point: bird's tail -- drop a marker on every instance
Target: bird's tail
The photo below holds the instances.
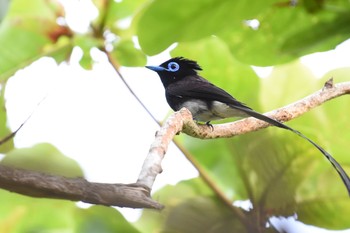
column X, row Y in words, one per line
column 271, row 121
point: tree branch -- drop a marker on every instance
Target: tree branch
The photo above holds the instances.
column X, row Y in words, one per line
column 287, row 113
column 183, row 120
column 36, row 184
column 137, row 195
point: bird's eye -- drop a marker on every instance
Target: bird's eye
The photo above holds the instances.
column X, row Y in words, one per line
column 173, row 66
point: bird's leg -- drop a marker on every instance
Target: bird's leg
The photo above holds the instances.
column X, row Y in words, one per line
column 206, row 123
column 210, row 125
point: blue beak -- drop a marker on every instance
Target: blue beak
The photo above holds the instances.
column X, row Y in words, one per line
column 156, row 68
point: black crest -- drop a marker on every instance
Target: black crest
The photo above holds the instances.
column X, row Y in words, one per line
column 186, row 65
column 190, row 64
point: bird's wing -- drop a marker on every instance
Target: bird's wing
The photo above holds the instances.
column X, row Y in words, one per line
column 199, row 88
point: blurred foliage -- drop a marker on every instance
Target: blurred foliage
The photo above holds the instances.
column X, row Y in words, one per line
column 279, row 173
column 25, row 214
column 3, row 8
column 285, row 30
column 45, row 158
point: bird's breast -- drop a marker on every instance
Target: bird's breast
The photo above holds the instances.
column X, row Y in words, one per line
column 210, row 110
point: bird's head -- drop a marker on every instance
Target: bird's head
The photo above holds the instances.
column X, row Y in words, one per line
column 175, row 69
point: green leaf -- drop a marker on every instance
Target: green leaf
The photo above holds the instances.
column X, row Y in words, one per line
column 103, row 220
column 19, row 48
column 162, row 24
column 86, row 43
column 23, row 39
column 321, row 194
column 279, row 89
column 202, row 214
column 286, row 33
column 152, row 221
column 19, row 214
column 119, row 10
column 192, row 207
column 127, row 55
column 331, row 213
column 335, row 120
column 323, row 36
column 190, row 210
column 44, row 158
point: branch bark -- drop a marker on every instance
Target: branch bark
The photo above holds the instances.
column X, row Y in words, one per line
column 36, row 184
column 137, row 195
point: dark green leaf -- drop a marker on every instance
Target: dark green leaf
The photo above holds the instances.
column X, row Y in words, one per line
column 171, row 196
column 202, row 214
column 162, row 24
column 44, row 158
column 323, row 36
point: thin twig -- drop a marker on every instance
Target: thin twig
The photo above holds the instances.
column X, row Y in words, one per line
column 115, row 66
column 13, row 134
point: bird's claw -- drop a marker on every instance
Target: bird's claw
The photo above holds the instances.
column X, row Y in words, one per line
column 210, row 125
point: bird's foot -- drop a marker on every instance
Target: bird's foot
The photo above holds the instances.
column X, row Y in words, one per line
column 210, row 125
column 206, row 123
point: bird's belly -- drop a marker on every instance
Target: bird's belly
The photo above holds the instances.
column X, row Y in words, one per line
column 209, row 111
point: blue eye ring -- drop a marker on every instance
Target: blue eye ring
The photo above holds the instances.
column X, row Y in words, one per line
column 173, row 67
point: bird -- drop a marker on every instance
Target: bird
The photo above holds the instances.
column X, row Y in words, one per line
column 184, row 87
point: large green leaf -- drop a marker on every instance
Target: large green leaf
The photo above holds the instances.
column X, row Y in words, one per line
column 29, row 32
column 152, row 221
column 127, row 55
column 44, row 158
column 286, row 84
column 21, row 214
column 202, row 214
column 284, row 32
column 166, row 22
column 192, row 209
column 25, row 214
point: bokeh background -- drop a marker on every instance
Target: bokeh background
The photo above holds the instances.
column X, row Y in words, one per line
column 65, row 54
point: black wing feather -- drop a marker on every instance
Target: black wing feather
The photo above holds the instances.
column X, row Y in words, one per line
column 197, row 87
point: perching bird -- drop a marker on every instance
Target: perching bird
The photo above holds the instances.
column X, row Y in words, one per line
column 207, row 102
